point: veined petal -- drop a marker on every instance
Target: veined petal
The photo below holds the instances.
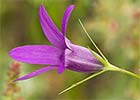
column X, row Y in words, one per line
column 50, row 30
column 37, row 54
column 80, row 59
column 66, row 18
column 35, row 73
column 62, row 67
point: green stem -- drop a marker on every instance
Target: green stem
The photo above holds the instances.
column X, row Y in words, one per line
column 114, row 68
column 82, row 81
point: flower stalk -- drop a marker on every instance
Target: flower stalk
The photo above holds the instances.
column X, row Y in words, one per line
column 111, row 67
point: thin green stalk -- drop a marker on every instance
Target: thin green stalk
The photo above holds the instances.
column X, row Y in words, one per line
column 92, row 40
column 114, row 68
column 82, row 81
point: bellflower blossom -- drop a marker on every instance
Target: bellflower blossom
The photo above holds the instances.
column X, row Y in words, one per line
column 61, row 55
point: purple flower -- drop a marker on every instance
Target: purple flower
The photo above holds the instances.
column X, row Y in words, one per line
column 62, row 55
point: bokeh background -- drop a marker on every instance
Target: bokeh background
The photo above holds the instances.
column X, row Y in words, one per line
column 113, row 24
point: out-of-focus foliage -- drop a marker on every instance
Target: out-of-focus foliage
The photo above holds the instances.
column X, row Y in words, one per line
column 113, row 24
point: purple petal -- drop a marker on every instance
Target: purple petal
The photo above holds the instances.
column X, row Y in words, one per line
column 66, row 18
column 68, row 42
column 37, row 54
column 62, row 67
column 50, row 30
column 80, row 59
column 35, row 73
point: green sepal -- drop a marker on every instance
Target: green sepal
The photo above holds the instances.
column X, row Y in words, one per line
column 94, row 44
column 98, row 57
column 82, row 81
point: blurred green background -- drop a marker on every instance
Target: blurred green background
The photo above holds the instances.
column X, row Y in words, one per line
column 114, row 26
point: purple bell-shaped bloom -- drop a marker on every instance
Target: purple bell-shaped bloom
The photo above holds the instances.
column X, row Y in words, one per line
column 61, row 55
